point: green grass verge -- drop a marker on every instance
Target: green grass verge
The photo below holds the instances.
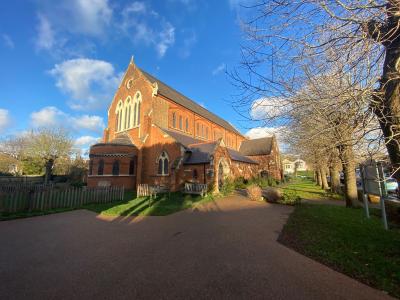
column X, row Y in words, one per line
column 307, row 189
column 345, row 240
column 163, row 204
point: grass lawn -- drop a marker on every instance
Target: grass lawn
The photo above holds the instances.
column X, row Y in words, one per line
column 307, row 189
column 345, row 240
column 164, row 204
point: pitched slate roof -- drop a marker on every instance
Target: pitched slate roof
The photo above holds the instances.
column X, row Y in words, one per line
column 260, row 146
column 183, row 139
column 120, row 140
column 237, row 156
column 170, row 93
column 200, row 153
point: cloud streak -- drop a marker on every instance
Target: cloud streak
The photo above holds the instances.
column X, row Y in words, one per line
column 219, row 69
column 143, row 25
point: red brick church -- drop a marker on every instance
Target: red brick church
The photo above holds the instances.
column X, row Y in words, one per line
column 158, row 136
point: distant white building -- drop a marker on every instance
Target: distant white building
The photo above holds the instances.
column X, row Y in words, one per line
column 290, row 166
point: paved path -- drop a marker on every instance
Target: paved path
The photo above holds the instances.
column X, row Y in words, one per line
column 224, row 250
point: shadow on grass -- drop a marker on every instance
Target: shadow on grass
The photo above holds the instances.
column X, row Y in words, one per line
column 135, row 209
column 162, row 205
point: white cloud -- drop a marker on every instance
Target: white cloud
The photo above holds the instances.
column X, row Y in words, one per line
column 220, row 68
column 166, row 38
column 89, row 82
column 51, row 116
column 86, row 141
column 92, row 123
column 270, row 108
column 65, row 26
column 260, row 132
column 86, row 17
column 46, row 38
column 7, row 41
column 136, row 7
column 5, row 119
column 145, row 26
column 71, row 28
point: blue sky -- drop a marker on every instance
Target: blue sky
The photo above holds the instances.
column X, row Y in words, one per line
column 61, row 61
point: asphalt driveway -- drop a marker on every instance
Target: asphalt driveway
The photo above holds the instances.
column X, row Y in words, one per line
column 226, row 250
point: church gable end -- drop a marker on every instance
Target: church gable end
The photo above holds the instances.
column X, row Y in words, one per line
column 130, row 105
column 157, row 136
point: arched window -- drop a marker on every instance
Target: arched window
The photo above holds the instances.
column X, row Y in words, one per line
column 163, row 163
column 118, row 117
column 206, row 132
column 128, row 118
column 120, row 120
column 202, row 130
column 134, row 114
column 174, row 120
column 195, row 175
column 187, row 125
column 132, row 167
column 115, row 168
column 180, row 123
column 138, row 114
column 100, row 168
column 90, row 167
column 198, row 128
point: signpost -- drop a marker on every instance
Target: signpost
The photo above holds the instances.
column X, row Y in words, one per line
column 373, row 182
column 364, row 193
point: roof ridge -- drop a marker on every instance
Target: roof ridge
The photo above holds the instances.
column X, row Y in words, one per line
column 203, row 143
column 193, row 102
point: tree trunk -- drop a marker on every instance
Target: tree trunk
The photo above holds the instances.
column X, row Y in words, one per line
column 347, row 158
column 319, row 178
column 335, row 178
column 48, row 170
column 387, row 101
column 324, row 181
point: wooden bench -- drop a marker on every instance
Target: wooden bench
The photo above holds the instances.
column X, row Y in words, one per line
column 195, row 189
column 151, row 191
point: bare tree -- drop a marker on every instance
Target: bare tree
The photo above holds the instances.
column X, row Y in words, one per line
column 283, row 36
column 330, row 116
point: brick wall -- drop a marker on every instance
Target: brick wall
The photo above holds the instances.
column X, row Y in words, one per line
column 150, row 141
